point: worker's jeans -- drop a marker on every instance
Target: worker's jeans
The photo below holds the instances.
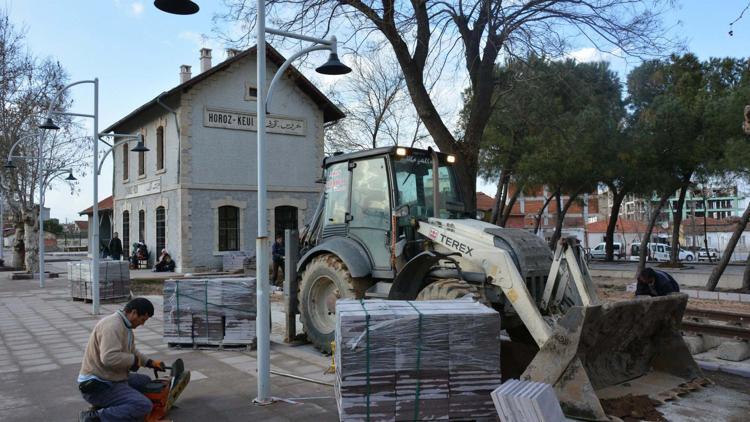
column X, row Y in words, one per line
column 123, row 401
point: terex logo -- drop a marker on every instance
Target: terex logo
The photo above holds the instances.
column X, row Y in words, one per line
column 455, row 244
column 433, row 234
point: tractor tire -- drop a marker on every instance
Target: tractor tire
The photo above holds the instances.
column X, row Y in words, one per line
column 449, row 289
column 324, row 280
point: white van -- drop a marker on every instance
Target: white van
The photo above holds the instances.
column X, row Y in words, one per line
column 600, row 251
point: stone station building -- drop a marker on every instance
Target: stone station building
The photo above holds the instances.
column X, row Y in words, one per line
column 195, row 192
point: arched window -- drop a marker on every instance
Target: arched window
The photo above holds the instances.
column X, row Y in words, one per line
column 160, row 148
column 126, row 233
column 142, row 226
column 229, row 228
column 125, row 162
column 161, row 230
column 142, row 161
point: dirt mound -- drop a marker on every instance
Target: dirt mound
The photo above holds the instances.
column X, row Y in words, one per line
column 632, row 408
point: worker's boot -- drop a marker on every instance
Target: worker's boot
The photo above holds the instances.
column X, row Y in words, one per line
column 89, row 415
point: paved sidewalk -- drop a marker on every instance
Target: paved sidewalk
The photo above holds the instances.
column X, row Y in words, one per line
column 43, row 334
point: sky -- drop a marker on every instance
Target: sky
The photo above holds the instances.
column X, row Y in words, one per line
column 135, row 50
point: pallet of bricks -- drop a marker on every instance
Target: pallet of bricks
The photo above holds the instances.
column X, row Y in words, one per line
column 210, row 312
column 421, row 360
column 114, row 280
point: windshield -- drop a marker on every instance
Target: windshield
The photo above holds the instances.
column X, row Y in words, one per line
column 414, row 180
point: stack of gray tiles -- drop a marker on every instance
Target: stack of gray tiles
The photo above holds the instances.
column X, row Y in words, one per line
column 392, row 364
column 114, row 279
column 527, row 401
column 234, row 261
column 219, row 311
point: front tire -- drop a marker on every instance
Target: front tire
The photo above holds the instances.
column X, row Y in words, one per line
column 325, row 280
column 449, row 289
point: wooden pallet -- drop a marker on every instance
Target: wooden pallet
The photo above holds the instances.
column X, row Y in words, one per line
column 101, row 300
column 202, row 344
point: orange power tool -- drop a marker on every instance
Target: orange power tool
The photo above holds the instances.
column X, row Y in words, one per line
column 164, row 391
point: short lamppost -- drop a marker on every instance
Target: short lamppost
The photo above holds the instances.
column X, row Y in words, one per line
column 43, row 173
column 332, row 67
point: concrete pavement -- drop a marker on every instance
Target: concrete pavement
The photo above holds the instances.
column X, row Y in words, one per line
column 692, row 274
column 43, row 334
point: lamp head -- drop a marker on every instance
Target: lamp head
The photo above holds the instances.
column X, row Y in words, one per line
column 177, row 7
column 333, row 66
column 49, row 124
column 140, row 147
column 71, row 177
column 9, row 164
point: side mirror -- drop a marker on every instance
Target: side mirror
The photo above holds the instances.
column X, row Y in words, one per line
column 401, row 211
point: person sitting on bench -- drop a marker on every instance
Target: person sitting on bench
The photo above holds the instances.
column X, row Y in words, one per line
column 166, row 263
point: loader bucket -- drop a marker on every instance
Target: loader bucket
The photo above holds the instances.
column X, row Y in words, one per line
column 610, row 350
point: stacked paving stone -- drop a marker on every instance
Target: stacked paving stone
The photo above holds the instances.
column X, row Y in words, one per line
column 527, row 401
column 422, row 360
column 114, row 280
column 219, row 311
column 234, row 261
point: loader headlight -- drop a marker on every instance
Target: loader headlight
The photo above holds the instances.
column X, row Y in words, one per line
column 401, row 152
column 451, row 159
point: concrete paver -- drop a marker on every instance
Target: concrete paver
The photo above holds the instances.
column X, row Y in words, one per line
column 43, row 334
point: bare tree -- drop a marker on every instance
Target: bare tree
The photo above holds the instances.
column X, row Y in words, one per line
column 466, row 37
column 26, row 86
column 376, row 103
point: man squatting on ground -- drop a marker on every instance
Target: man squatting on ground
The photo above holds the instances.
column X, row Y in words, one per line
column 104, row 380
column 653, row 282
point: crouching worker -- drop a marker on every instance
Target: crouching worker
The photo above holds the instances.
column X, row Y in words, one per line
column 105, row 379
column 653, row 282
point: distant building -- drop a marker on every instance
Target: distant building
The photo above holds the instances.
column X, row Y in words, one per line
column 194, row 192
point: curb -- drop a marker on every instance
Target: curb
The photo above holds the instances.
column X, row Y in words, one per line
column 714, row 366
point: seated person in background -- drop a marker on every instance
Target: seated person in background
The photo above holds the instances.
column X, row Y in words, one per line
column 653, row 282
column 140, row 253
column 166, row 263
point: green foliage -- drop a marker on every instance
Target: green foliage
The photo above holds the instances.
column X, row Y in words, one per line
column 53, row 226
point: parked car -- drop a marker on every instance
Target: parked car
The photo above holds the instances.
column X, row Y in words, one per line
column 686, row 255
column 600, row 251
column 704, row 254
column 660, row 252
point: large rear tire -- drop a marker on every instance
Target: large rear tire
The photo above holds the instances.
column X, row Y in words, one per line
column 449, row 289
column 325, row 280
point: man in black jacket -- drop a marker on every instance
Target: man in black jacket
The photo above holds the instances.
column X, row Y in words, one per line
column 278, row 254
column 653, row 282
column 115, row 247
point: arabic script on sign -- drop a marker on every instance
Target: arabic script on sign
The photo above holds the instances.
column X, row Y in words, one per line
column 228, row 119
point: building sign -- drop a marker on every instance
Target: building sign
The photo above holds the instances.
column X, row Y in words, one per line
column 228, row 119
column 143, row 188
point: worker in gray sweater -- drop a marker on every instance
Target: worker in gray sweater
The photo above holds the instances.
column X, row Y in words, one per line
column 107, row 379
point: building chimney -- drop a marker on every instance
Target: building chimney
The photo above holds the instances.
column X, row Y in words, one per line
column 231, row 52
column 205, row 59
column 185, row 73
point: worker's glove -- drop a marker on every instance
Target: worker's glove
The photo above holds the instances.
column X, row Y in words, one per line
column 156, row 364
column 136, row 364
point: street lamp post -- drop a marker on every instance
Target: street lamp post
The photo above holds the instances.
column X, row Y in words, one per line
column 332, row 67
column 50, row 125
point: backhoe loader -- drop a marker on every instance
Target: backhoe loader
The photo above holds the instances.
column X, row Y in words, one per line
column 391, row 224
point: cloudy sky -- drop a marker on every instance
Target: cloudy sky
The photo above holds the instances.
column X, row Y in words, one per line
column 135, row 50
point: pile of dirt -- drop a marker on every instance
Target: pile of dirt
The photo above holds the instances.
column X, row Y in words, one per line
column 632, row 408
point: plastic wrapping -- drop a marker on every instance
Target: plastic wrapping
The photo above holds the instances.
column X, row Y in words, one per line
column 421, row 360
column 219, row 311
column 234, row 261
column 114, row 280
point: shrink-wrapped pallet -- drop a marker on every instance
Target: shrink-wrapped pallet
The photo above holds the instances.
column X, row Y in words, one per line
column 234, row 261
column 207, row 312
column 114, row 279
column 422, row 360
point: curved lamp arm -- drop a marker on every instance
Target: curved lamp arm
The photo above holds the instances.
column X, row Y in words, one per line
column 23, row 138
column 60, row 92
column 125, row 138
column 288, row 62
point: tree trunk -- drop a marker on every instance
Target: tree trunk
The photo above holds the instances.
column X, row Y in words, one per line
column 496, row 204
column 674, row 257
column 467, row 176
column 509, row 207
column 31, row 239
column 705, row 229
column 541, row 212
column 746, row 275
column 613, row 216
column 19, row 248
column 713, row 280
column 561, row 217
column 649, row 230
column 503, row 198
